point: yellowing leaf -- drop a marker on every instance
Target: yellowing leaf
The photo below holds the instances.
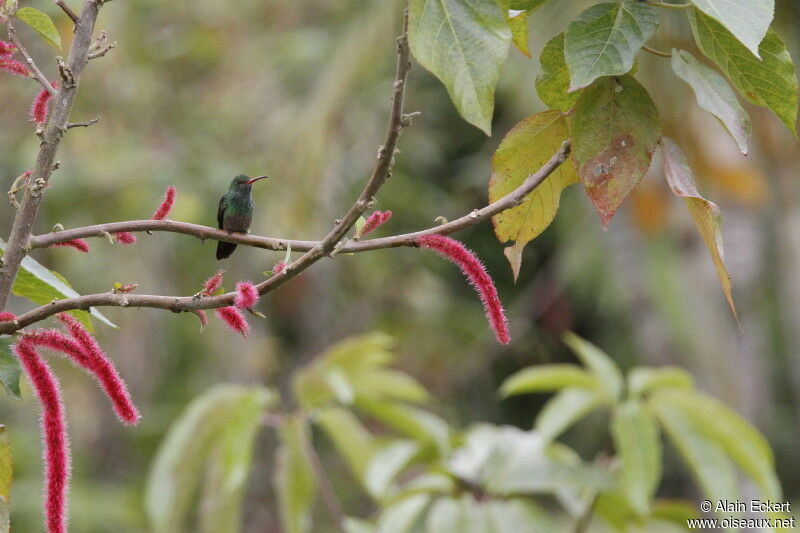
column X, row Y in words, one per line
column 528, row 146
column 519, row 32
column 6, row 465
column 41, row 24
column 614, row 133
column 706, row 214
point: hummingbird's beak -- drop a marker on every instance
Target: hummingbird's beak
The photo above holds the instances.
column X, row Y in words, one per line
column 250, row 182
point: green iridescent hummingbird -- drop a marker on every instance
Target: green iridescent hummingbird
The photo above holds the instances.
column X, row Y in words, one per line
column 235, row 211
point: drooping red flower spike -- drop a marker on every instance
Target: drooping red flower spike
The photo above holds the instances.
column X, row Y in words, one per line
column 7, row 49
column 6, row 316
column 54, row 434
column 201, row 314
column 476, row 273
column 13, row 66
column 212, row 284
column 234, row 319
column 125, row 237
column 246, row 295
column 166, row 204
column 103, row 370
column 41, row 104
column 79, row 244
column 375, row 219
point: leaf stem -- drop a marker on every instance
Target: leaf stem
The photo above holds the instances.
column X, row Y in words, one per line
column 656, row 52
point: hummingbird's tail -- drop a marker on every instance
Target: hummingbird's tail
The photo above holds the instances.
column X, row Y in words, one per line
column 225, row 249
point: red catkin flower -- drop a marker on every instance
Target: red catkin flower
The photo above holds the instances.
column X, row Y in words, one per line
column 279, row 268
column 234, row 319
column 41, row 104
column 201, row 314
column 103, row 370
column 125, row 237
column 246, row 295
column 14, row 67
column 212, row 284
column 476, row 273
column 7, row 49
column 54, row 434
column 166, row 204
column 6, row 316
column 79, row 244
column 375, row 219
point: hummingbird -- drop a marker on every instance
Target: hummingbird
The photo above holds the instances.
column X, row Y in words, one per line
column 235, row 211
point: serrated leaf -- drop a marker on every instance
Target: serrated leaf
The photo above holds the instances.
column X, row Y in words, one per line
column 706, row 214
column 598, row 362
column 714, row 95
column 605, row 39
column 643, row 380
column 638, row 445
column 217, row 426
column 716, row 422
column 552, row 83
column 519, row 31
column 41, row 24
column 6, row 465
column 296, row 482
column 547, row 378
column 747, row 20
column 614, row 133
column 41, row 286
column 464, row 44
column 528, row 146
column 10, row 371
column 565, row 409
column 771, row 82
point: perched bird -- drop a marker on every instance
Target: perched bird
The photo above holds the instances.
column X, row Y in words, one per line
column 235, row 211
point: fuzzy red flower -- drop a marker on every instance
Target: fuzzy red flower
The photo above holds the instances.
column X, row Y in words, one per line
column 103, row 370
column 234, row 319
column 166, row 204
column 246, row 295
column 212, row 284
column 476, row 273
column 125, row 237
column 41, row 104
column 6, row 316
column 79, row 244
column 14, row 67
column 279, row 268
column 54, row 434
column 201, row 314
column 375, row 219
column 7, row 49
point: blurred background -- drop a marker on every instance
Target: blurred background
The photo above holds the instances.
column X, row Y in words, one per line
column 198, row 92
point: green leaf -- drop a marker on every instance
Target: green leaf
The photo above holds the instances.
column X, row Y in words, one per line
column 463, row 43
column 547, row 378
column 420, row 425
column 552, row 83
column 740, row 440
column 519, row 31
column 565, row 409
column 771, row 82
column 350, row 438
column 706, row 214
column 525, row 5
column 386, row 464
column 638, row 445
column 747, row 20
column 605, row 39
column 714, row 95
column 216, row 430
column 528, row 146
column 405, row 516
column 643, row 380
column 614, row 133
column 677, row 511
column 599, row 363
column 42, row 286
column 41, row 24
column 707, row 459
column 297, row 484
column 10, row 371
column 6, row 465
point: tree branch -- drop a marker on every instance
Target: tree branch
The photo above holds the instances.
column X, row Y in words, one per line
column 37, row 74
column 16, row 247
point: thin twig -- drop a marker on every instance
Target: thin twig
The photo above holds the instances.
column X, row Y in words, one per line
column 37, row 74
column 86, row 124
column 68, row 10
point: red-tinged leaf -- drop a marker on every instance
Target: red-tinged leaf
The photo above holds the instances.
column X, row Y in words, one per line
column 614, row 133
column 706, row 214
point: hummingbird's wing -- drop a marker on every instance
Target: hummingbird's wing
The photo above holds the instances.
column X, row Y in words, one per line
column 221, row 211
